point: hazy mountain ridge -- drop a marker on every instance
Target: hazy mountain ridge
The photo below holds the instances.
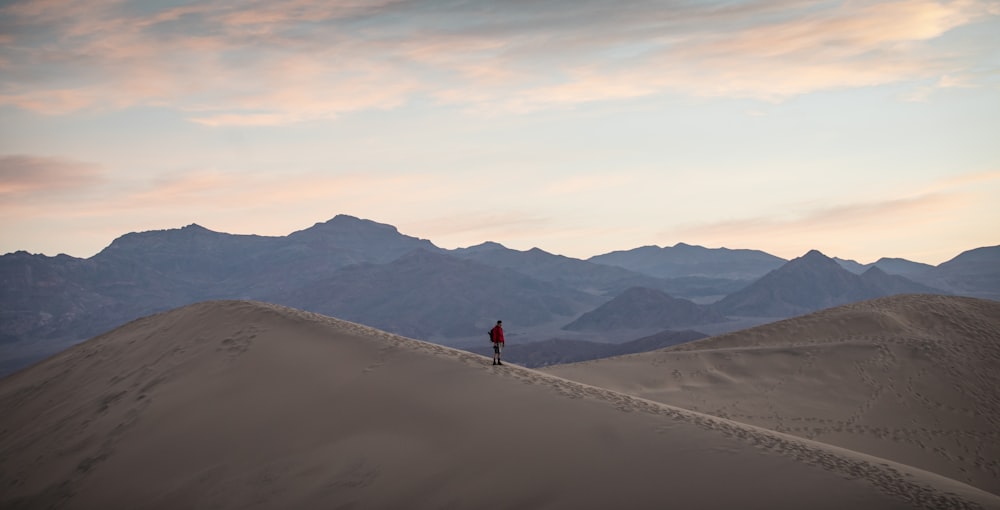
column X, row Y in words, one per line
column 593, row 277
column 903, row 267
column 640, row 307
column 433, row 295
column 192, row 252
column 67, row 298
column 690, row 260
column 537, row 263
column 974, row 272
column 370, row 272
column 813, row 282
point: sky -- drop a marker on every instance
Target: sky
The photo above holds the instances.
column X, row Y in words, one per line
column 861, row 129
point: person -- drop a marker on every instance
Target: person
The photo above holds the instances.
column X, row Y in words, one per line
column 496, row 336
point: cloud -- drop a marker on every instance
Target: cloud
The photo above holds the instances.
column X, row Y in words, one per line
column 820, row 49
column 938, row 209
column 967, row 181
column 54, row 101
column 207, row 192
column 302, row 91
column 947, row 81
column 849, row 216
column 219, row 62
column 279, row 62
column 247, row 119
column 24, row 175
column 847, row 30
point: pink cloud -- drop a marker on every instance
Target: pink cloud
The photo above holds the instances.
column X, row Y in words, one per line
column 862, row 227
column 963, row 206
column 846, row 46
column 51, row 102
column 275, row 13
column 299, row 89
column 247, row 119
column 846, row 31
column 24, row 175
column 211, row 190
column 274, row 63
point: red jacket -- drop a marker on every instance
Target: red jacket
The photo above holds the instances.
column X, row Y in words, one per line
column 497, row 334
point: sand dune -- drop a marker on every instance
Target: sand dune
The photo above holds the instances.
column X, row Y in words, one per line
column 914, row 379
column 245, row 405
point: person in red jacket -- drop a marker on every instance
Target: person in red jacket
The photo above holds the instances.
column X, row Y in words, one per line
column 496, row 336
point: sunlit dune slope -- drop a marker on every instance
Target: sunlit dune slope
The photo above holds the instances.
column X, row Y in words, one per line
column 912, row 378
column 244, row 405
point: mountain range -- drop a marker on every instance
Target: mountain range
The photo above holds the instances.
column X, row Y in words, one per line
column 813, row 282
column 369, row 272
column 639, row 308
column 687, row 260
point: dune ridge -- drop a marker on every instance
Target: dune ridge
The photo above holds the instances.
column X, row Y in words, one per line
column 912, row 378
column 247, row 405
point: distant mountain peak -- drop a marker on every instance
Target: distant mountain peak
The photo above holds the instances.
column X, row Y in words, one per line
column 874, row 270
column 812, row 282
column 816, row 258
column 150, row 238
column 486, row 247
column 691, row 249
column 985, row 254
column 646, row 248
column 691, row 260
column 346, row 220
column 890, row 259
column 641, row 307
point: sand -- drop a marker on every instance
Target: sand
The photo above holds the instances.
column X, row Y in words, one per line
column 914, row 379
column 245, row 405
